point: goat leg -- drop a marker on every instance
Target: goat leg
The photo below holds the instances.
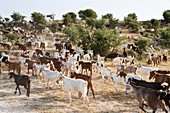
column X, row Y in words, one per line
column 28, row 93
column 15, row 90
column 19, row 90
column 92, row 91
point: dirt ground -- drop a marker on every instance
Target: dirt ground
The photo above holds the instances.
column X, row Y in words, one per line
column 109, row 99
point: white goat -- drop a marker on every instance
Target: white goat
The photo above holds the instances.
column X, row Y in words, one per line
column 145, row 71
column 80, row 51
column 100, row 59
column 66, row 67
column 126, row 77
column 78, row 85
column 37, row 68
column 117, row 61
column 50, row 75
column 86, row 57
column 117, row 79
column 129, row 59
column 56, row 55
column 104, row 71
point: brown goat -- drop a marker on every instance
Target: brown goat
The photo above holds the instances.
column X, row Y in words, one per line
column 156, row 60
column 86, row 65
column 160, row 77
column 30, row 65
column 21, row 46
column 164, row 59
column 42, row 45
column 5, row 46
column 15, row 66
column 86, row 78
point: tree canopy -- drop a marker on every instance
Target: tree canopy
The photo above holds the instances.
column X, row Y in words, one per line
column 87, row 13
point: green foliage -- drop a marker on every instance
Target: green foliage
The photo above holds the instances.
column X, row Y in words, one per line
column 91, row 22
column 166, row 16
column 73, row 33
column 131, row 22
column 165, row 38
column 155, row 23
column 87, row 13
column 54, row 26
column 100, row 24
column 17, row 19
column 16, row 16
column 105, row 40
column 110, row 21
column 69, row 18
column 142, row 43
column 132, row 16
column 100, row 40
column 38, row 18
column 107, row 16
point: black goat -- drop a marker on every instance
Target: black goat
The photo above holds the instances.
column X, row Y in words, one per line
column 22, row 80
column 152, row 85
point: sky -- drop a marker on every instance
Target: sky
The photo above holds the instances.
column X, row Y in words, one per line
column 144, row 9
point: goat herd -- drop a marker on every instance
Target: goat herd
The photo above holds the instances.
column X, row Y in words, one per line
column 74, row 69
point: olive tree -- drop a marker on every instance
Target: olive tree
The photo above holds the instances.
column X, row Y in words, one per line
column 38, row 20
column 131, row 22
column 87, row 13
column 166, row 16
column 69, row 18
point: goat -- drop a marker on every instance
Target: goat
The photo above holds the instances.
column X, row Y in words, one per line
column 77, row 85
column 3, row 58
column 117, row 79
column 59, row 46
column 150, row 96
column 145, row 71
column 86, row 65
column 21, row 46
column 117, row 61
column 129, row 69
column 30, row 65
column 127, row 77
column 6, row 45
column 152, row 85
column 22, row 80
column 86, row 78
column 49, row 75
column 37, row 67
column 160, row 77
column 104, row 71
column 100, row 59
column 43, row 45
column 15, row 66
